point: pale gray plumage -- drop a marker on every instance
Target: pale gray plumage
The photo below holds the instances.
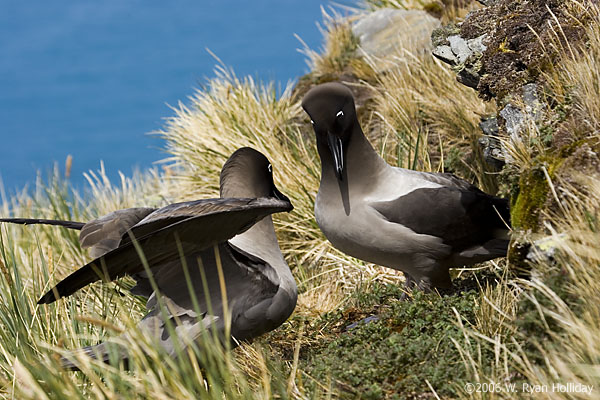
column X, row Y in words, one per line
column 104, row 234
column 261, row 291
column 419, row 223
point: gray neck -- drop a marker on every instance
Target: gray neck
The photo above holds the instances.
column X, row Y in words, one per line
column 363, row 167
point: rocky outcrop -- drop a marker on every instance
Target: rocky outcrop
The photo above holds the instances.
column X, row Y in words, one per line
column 502, row 52
column 520, row 112
column 463, row 55
column 499, row 51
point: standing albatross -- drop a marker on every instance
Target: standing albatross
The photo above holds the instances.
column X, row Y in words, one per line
column 419, row 223
column 237, row 228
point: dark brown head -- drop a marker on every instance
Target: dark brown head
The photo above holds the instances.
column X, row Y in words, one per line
column 333, row 116
column 248, row 174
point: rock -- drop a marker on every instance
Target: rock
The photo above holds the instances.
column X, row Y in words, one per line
column 514, row 120
column 530, row 109
column 469, row 76
column 460, row 48
column 462, row 54
column 489, row 126
column 544, row 250
column 476, row 45
column 493, row 153
column 519, row 113
column 445, row 54
column 390, row 32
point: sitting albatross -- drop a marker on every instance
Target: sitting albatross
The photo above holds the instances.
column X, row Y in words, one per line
column 419, row 223
column 260, row 289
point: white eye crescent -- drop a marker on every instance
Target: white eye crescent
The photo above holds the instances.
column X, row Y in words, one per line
column 339, row 114
column 312, row 122
column 270, row 168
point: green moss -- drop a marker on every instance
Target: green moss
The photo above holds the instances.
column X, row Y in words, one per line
column 533, row 191
column 393, row 356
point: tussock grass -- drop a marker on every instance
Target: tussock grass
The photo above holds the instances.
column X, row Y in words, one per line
column 575, row 79
column 497, row 309
column 425, row 120
column 551, row 339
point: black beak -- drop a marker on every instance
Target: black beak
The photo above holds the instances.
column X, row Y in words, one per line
column 337, row 152
column 278, row 195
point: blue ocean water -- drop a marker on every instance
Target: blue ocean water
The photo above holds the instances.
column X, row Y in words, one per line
column 93, row 78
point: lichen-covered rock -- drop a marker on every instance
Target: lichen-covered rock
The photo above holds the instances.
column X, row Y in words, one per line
column 493, row 152
column 544, row 250
column 391, row 32
column 518, row 31
column 521, row 111
column 462, row 54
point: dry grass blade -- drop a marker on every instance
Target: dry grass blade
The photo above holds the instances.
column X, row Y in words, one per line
column 426, row 120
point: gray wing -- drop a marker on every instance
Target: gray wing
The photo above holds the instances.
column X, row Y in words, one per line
column 104, row 234
column 208, row 222
column 461, row 218
column 176, row 212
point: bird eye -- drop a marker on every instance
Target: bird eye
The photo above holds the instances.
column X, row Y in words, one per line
column 270, row 168
column 340, row 114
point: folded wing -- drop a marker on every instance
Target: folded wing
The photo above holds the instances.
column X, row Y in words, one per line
column 461, row 218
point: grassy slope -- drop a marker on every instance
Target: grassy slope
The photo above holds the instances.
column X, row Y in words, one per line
column 495, row 329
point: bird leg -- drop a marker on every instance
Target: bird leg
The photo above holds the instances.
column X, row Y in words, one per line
column 409, row 284
column 443, row 285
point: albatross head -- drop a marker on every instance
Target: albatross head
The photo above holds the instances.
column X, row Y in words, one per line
column 333, row 116
column 248, row 173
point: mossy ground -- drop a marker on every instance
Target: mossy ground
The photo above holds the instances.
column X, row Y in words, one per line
column 394, row 356
column 383, row 346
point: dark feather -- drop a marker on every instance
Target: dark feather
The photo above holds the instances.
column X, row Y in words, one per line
column 33, row 221
column 105, row 233
column 461, row 218
column 209, row 222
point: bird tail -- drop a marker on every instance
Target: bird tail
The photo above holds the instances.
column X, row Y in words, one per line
column 32, row 221
column 104, row 352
